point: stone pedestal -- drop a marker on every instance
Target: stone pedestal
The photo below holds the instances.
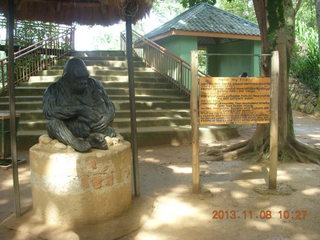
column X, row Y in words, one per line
column 71, row 188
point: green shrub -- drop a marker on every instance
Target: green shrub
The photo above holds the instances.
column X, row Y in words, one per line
column 305, row 65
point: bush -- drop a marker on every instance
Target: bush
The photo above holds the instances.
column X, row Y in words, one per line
column 305, row 65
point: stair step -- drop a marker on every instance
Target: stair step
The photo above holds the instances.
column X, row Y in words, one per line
column 164, row 98
column 32, row 115
column 148, row 136
column 93, row 69
column 32, row 91
column 163, row 115
column 107, row 63
column 118, row 123
column 98, row 53
column 123, row 72
column 108, row 84
column 101, row 78
column 119, row 105
column 98, row 58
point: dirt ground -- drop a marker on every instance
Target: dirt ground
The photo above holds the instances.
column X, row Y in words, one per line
column 229, row 207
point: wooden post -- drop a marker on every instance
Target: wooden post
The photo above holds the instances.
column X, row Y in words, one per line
column 274, row 121
column 72, row 38
column 134, row 145
column 195, row 123
column 12, row 108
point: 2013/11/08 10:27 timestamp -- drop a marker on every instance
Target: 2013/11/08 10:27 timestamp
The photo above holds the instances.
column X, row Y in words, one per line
column 262, row 214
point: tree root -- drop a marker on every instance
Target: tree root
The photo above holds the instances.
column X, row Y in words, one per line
column 262, row 151
column 294, row 149
column 232, row 152
column 228, row 149
column 309, row 153
column 295, row 154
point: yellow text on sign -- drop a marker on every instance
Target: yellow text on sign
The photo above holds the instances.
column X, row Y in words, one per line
column 227, row 100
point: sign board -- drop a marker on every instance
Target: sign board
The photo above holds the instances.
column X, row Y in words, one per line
column 228, row 100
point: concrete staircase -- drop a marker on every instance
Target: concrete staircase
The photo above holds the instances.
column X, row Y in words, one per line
column 162, row 111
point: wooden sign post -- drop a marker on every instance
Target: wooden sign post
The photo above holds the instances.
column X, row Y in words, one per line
column 195, row 123
column 274, row 125
column 234, row 100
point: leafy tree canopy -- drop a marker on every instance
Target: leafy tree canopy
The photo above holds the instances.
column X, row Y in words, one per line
column 241, row 8
column 191, row 3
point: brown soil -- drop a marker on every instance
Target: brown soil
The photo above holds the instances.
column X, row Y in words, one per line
column 229, row 206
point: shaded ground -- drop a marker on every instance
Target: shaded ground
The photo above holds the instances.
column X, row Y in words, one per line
column 177, row 214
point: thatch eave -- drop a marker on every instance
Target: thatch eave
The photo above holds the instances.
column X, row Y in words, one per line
column 84, row 12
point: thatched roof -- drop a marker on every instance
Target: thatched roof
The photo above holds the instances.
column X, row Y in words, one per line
column 86, row 12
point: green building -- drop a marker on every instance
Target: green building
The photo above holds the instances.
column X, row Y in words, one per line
column 205, row 27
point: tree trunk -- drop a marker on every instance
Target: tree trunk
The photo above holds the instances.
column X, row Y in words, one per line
column 276, row 20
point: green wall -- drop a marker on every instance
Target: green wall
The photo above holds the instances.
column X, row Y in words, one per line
column 180, row 46
column 224, row 66
column 233, row 66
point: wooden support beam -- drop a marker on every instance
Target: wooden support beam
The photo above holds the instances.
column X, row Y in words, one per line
column 134, row 144
column 205, row 34
column 12, row 108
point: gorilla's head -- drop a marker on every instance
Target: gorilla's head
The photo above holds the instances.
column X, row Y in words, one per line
column 75, row 75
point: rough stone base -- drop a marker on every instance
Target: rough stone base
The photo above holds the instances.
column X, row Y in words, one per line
column 71, row 188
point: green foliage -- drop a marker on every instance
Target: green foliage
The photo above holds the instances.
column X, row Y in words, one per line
column 241, row 8
column 203, row 65
column 166, row 9
column 307, row 13
column 305, row 65
column 161, row 12
column 28, row 32
column 191, row 3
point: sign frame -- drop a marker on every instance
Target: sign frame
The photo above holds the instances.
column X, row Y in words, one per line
column 274, row 118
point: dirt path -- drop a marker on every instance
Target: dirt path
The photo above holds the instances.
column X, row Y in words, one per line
column 166, row 176
column 307, row 128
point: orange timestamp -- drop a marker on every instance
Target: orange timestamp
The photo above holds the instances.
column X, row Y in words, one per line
column 260, row 214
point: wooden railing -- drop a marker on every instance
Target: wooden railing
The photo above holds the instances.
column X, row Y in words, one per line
column 172, row 67
column 32, row 59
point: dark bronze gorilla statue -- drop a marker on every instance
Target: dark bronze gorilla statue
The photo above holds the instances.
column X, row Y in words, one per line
column 78, row 109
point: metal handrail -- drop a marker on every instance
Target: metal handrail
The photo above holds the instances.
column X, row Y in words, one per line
column 169, row 65
column 38, row 56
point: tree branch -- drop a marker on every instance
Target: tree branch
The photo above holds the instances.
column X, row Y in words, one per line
column 297, row 7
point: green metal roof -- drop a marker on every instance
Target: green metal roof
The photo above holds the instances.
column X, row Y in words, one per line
column 204, row 17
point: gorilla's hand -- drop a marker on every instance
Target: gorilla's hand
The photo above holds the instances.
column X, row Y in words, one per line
column 97, row 140
column 89, row 114
column 100, row 126
column 80, row 145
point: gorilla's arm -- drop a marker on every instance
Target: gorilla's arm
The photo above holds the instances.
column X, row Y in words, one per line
column 52, row 108
column 108, row 115
column 110, row 106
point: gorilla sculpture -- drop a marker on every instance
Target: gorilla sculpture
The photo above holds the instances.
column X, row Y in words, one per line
column 78, row 109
